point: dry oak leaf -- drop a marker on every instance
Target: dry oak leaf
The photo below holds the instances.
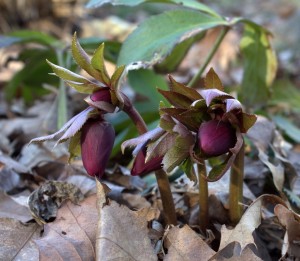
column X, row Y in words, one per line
column 72, row 235
column 185, row 244
column 251, row 219
column 291, row 222
column 242, row 233
column 16, row 241
column 122, row 233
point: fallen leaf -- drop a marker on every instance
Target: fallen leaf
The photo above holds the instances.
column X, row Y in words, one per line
column 72, row 235
column 292, row 224
column 251, row 219
column 185, row 244
column 9, row 208
column 262, row 132
column 17, row 240
column 122, row 233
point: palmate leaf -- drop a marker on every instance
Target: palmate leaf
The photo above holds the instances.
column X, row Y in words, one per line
column 156, row 37
column 83, row 60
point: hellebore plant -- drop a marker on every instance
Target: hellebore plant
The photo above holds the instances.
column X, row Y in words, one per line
column 198, row 126
column 89, row 134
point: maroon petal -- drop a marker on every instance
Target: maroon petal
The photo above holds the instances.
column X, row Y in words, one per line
column 216, row 138
column 142, row 167
column 97, row 140
column 102, row 94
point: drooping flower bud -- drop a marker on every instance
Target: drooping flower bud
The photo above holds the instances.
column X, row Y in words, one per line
column 216, row 137
column 139, row 165
column 102, row 94
column 97, row 140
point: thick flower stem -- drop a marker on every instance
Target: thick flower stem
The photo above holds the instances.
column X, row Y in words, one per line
column 161, row 176
column 236, row 187
column 203, row 196
column 208, row 58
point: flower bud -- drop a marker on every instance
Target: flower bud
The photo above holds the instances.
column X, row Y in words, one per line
column 97, row 140
column 139, row 165
column 102, row 94
column 216, row 137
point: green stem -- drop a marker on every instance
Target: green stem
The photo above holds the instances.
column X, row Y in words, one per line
column 203, row 196
column 236, row 187
column 208, row 58
column 62, row 97
column 161, row 176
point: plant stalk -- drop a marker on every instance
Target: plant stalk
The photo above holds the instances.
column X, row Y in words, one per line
column 161, row 177
column 62, row 96
column 208, row 58
column 236, row 187
column 203, row 196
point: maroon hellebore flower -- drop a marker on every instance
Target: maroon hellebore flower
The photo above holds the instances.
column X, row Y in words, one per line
column 102, row 95
column 97, row 140
column 216, row 137
column 139, row 165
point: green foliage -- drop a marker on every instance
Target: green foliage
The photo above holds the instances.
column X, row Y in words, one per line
column 151, row 42
column 186, row 3
column 260, row 65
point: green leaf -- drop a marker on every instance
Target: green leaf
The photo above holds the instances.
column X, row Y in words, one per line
column 288, row 127
column 87, row 88
column 66, row 74
column 212, row 81
column 177, row 99
column 259, row 67
column 285, row 95
column 112, row 48
column 179, row 152
column 74, row 146
column 27, row 36
column 115, row 78
column 83, row 60
column 172, row 61
column 160, row 146
column 98, row 64
column 247, row 121
column 28, row 81
column 156, row 37
column 184, row 90
column 188, row 167
column 186, row 3
column 145, row 82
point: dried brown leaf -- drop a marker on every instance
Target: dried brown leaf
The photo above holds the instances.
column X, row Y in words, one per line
column 242, row 233
column 292, row 224
column 251, row 219
column 122, row 233
column 72, row 235
column 185, row 244
column 17, row 240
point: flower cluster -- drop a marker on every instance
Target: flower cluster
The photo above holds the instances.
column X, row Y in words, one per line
column 89, row 133
column 198, row 125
